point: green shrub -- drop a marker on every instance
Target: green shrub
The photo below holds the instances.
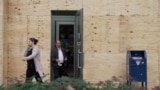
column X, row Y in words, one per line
column 125, row 86
column 31, row 86
column 110, row 85
column 156, row 88
column 65, row 83
column 1, row 87
column 75, row 83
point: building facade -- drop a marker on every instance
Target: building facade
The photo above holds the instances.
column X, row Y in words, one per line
column 110, row 28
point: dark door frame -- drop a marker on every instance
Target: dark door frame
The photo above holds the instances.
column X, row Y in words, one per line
column 58, row 17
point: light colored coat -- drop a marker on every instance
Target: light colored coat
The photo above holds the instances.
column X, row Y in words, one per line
column 36, row 56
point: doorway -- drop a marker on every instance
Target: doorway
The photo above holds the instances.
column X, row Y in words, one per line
column 66, row 33
column 67, row 27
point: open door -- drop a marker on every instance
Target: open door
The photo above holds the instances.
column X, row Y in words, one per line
column 79, row 45
column 68, row 27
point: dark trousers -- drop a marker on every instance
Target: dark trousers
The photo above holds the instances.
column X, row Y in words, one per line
column 31, row 73
column 58, row 71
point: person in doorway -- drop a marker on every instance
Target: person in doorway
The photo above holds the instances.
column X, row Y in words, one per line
column 34, row 66
column 58, row 58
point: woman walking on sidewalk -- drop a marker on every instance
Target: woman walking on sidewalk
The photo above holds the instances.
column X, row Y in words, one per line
column 34, row 66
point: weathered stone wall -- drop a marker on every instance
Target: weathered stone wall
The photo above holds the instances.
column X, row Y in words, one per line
column 111, row 27
column 2, row 27
column 1, row 38
column 25, row 19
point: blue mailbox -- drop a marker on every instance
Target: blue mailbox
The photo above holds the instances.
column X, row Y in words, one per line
column 137, row 66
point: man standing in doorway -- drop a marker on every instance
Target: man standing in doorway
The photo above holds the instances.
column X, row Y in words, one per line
column 58, row 58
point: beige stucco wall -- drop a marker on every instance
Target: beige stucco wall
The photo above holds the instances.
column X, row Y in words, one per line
column 1, row 29
column 1, row 39
column 111, row 27
column 25, row 19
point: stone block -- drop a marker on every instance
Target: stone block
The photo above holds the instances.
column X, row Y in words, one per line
column 65, row 4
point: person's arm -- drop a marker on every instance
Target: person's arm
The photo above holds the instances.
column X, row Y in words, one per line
column 54, row 55
column 25, row 53
column 35, row 51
